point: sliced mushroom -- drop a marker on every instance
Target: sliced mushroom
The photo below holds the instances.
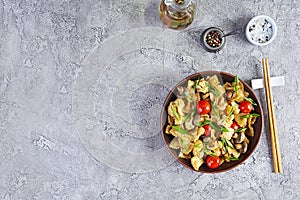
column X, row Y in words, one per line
column 250, row 131
column 194, row 131
column 213, row 145
column 205, row 96
column 196, row 119
column 228, row 86
column 229, row 95
column 204, row 117
column 189, row 124
column 240, row 138
column 180, row 90
column 188, row 106
column 206, row 139
column 246, row 140
column 233, row 152
column 244, row 147
column 238, row 146
column 235, row 135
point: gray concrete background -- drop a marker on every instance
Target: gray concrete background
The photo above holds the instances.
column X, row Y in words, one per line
column 70, row 68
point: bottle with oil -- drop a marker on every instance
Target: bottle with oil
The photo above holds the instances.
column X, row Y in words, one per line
column 177, row 14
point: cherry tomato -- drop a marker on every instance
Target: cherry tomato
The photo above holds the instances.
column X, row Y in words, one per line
column 245, row 107
column 213, row 162
column 234, row 125
column 203, row 107
column 207, row 129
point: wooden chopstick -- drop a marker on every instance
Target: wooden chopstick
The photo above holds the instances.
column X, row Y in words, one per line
column 271, row 114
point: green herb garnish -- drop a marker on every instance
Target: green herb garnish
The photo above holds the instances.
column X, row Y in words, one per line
column 212, row 89
column 230, row 112
column 240, row 130
column 231, row 158
column 214, row 125
column 197, row 145
column 251, row 115
column 208, row 152
column 199, row 124
column 235, row 83
column 188, row 116
column 217, row 127
column 228, row 142
column 223, row 144
column 214, row 109
column 180, row 130
column 196, row 83
column 251, row 101
column 188, row 96
column 184, row 145
column 175, row 112
column 206, row 143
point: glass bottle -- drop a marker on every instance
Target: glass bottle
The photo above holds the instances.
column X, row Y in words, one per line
column 177, row 14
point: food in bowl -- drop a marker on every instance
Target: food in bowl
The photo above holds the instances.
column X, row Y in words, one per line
column 261, row 30
column 211, row 123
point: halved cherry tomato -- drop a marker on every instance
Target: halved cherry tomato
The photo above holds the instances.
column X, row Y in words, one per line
column 203, row 107
column 213, row 162
column 234, row 125
column 207, row 129
column 245, row 107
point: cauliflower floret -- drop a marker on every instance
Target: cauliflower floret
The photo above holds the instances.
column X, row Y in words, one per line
column 227, row 121
column 228, row 134
column 175, row 110
column 202, row 87
column 190, row 84
column 235, row 106
column 197, row 147
column 196, row 162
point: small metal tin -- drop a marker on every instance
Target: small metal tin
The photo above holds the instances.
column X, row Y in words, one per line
column 207, row 46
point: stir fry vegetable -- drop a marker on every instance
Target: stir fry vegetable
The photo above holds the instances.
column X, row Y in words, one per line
column 211, row 122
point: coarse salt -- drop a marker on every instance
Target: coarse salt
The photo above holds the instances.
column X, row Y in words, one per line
column 261, row 31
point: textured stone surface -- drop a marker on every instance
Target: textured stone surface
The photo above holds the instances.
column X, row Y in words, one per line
column 78, row 74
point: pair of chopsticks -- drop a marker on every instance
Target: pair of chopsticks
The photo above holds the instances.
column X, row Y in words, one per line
column 271, row 114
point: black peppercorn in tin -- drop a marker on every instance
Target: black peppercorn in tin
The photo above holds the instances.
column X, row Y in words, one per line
column 212, row 39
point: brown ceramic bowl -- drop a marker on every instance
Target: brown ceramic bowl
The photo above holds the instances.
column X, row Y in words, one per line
column 258, row 126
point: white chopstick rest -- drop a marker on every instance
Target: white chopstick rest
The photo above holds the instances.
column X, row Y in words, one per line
column 275, row 81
